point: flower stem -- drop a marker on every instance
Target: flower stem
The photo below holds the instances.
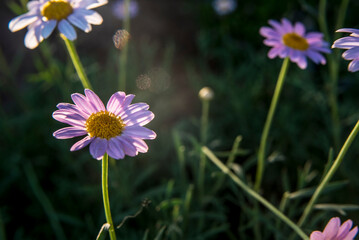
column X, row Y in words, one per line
column 77, row 63
column 203, row 139
column 106, row 201
column 124, row 52
column 253, row 193
column 329, row 174
column 268, row 123
column 333, row 65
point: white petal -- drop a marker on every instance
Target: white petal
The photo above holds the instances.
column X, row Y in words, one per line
column 91, row 16
column 22, row 21
column 33, row 37
column 68, row 30
column 49, row 27
column 96, row 3
column 80, row 22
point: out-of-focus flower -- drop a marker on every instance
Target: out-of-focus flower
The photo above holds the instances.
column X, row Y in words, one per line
column 117, row 129
column 224, row 7
column 206, row 93
column 335, row 231
column 292, row 41
column 121, row 38
column 45, row 15
column 119, row 9
column 352, row 44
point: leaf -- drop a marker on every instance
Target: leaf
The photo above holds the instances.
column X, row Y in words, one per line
column 159, row 234
column 307, row 192
column 341, row 208
column 103, row 232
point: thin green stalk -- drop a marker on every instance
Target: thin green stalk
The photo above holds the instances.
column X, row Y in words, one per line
column 282, row 206
column 77, row 63
column 253, row 193
column 333, row 64
column 268, row 123
column 44, row 201
column 106, row 201
column 124, row 52
column 329, row 175
column 203, row 138
column 229, row 162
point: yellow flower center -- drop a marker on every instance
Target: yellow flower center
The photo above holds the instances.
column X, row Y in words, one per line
column 104, row 125
column 295, row 41
column 56, row 9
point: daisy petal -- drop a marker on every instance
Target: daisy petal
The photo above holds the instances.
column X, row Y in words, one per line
column 299, row 28
column 287, row 26
column 127, row 101
column 351, row 54
column 128, row 147
column 332, row 228
column 351, row 235
column 139, row 132
column 114, row 149
column 98, row 148
column 140, row 145
column 82, row 103
column 89, row 4
column 139, row 118
column 353, row 66
column 133, row 108
column 81, row 144
column 49, row 27
column 115, row 102
column 316, row 235
column 33, row 36
column 72, row 108
column 344, row 229
column 70, row 118
column 66, row 29
column 94, row 100
column 91, row 16
column 69, row 132
column 80, row 22
column 22, row 21
column 346, row 42
column 348, row 30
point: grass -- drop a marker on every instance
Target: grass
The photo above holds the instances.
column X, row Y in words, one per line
column 51, row 193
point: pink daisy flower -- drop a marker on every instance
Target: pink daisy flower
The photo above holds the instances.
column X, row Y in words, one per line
column 292, row 41
column 116, row 129
column 352, row 44
column 45, row 15
column 335, row 231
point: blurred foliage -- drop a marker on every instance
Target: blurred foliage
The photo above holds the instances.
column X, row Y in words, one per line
column 48, row 192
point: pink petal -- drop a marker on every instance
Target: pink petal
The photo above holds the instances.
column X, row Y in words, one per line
column 331, row 230
column 69, row 132
column 95, row 101
column 81, row 144
column 98, row 148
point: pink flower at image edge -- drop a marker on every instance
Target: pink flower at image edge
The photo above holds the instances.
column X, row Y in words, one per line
column 334, row 231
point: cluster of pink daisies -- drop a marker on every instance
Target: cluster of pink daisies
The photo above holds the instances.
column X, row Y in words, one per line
column 118, row 129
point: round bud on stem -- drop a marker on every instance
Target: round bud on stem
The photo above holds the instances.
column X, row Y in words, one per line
column 206, row 94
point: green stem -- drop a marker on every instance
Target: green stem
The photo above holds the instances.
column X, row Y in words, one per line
column 253, row 193
column 333, row 64
column 329, row 175
column 268, row 123
column 106, row 201
column 203, row 138
column 44, row 201
column 77, row 63
column 124, row 52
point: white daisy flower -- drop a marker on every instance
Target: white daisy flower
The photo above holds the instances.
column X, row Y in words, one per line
column 45, row 15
